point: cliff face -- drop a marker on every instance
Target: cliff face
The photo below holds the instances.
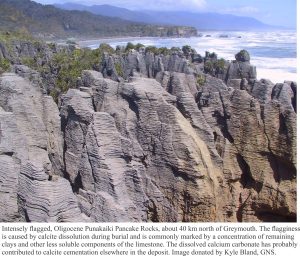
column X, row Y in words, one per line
column 31, row 151
column 168, row 143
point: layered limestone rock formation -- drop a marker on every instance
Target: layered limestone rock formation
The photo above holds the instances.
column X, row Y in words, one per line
column 159, row 146
column 31, row 156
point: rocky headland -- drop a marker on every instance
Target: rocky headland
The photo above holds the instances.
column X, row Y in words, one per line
column 142, row 134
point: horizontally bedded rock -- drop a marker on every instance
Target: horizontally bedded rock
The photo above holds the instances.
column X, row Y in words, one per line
column 173, row 148
column 31, row 147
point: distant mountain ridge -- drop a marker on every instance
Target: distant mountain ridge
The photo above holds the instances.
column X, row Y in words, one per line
column 110, row 11
column 202, row 21
column 49, row 21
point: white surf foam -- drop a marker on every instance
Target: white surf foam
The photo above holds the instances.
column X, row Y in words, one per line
column 271, row 67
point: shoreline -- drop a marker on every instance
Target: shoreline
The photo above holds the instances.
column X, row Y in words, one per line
column 108, row 39
column 96, row 39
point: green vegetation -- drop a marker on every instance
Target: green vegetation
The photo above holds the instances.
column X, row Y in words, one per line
column 243, row 55
column 175, row 49
column 105, row 48
column 158, row 51
column 119, row 69
column 138, row 46
column 187, row 50
column 20, row 34
column 152, row 49
column 4, row 65
column 164, row 51
column 212, row 55
column 71, row 65
column 220, row 65
column 120, row 49
column 129, row 46
column 66, row 66
column 52, row 46
column 30, row 62
column 54, row 94
column 7, row 40
column 208, row 66
column 71, row 41
column 214, row 66
column 201, row 79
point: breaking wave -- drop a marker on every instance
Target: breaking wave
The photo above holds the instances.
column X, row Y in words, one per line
column 273, row 53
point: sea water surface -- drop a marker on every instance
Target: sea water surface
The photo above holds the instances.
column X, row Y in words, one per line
column 273, row 53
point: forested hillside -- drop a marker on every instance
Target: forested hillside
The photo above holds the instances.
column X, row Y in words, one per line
column 49, row 21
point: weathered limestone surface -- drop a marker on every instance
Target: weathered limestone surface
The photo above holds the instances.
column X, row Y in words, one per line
column 145, row 63
column 163, row 149
column 255, row 134
column 31, row 149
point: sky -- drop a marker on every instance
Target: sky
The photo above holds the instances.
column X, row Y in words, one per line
column 273, row 12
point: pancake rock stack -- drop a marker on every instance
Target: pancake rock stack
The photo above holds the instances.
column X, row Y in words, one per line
column 160, row 146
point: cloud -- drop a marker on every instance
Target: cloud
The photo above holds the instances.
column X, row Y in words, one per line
column 177, row 4
column 172, row 5
column 242, row 10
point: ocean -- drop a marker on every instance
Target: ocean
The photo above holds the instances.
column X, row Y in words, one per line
column 273, row 53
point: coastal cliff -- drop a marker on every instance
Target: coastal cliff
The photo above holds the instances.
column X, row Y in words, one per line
column 152, row 135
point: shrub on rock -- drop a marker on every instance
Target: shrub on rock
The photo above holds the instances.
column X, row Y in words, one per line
column 243, row 56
